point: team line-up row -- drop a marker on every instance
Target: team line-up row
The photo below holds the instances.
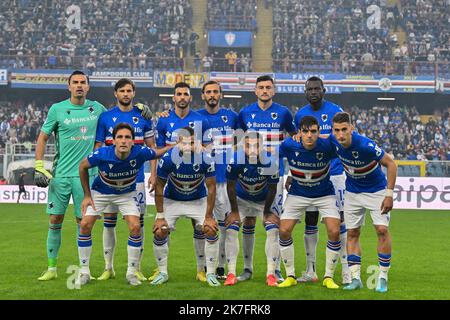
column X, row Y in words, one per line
column 220, row 188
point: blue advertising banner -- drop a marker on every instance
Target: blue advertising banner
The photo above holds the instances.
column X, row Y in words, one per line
column 295, row 82
column 230, row 39
column 237, row 81
column 142, row 79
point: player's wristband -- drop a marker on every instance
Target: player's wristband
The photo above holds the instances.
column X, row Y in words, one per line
column 160, row 215
column 389, row 193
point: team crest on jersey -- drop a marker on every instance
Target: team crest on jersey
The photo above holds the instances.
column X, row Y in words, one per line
column 50, row 205
column 355, row 154
column 91, row 109
column 260, row 171
column 253, row 116
column 196, row 167
column 224, row 119
column 324, row 117
column 133, row 163
column 114, row 119
column 274, row 115
column 135, row 120
column 83, row 129
column 211, row 167
column 228, row 168
column 191, row 124
column 161, row 163
column 171, row 124
column 319, row 155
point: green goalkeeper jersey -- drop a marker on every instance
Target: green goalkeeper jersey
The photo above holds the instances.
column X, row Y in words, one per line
column 74, row 127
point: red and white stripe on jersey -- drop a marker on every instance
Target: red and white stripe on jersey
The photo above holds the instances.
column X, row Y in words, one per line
column 224, row 141
column 272, row 138
column 186, row 186
column 253, row 189
column 361, row 171
column 309, row 176
column 117, row 183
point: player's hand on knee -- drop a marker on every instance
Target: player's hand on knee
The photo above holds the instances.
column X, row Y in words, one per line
column 160, row 228
column 145, row 110
column 387, row 205
column 41, row 176
column 87, row 201
column 271, row 218
column 233, row 217
column 210, row 227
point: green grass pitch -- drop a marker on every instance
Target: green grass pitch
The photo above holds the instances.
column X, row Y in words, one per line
column 419, row 270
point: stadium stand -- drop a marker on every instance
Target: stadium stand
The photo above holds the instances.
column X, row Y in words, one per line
column 232, row 15
column 140, row 34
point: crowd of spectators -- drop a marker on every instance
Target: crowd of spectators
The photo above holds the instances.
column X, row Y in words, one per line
column 338, row 34
column 134, row 34
column 231, row 15
column 401, row 131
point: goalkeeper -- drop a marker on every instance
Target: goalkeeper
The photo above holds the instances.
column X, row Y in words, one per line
column 74, row 123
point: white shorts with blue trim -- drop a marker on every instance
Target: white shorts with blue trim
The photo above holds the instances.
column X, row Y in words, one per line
column 124, row 203
column 355, row 209
column 295, row 207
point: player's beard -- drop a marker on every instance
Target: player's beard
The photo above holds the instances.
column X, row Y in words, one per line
column 125, row 103
column 212, row 103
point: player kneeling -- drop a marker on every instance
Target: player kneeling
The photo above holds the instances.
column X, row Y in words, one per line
column 191, row 193
column 116, row 184
column 309, row 162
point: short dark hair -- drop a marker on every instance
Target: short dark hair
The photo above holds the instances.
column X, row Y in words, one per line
column 181, row 85
column 314, row 78
column 307, row 122
column 211, row 82
column 342, row 117
column 123, row 82
column 120, row 126
column 78, row 72
column 264, row 78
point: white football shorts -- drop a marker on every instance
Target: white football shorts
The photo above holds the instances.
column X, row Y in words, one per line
column 140, row 198
column 125, row 203
column 355, row 209
column 294, row 207
column 194, row 209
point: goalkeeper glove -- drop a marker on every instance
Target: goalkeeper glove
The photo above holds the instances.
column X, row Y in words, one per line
column 41, row 176
column 145, row 110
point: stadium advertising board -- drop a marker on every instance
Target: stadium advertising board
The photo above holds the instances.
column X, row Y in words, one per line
column 409, row 193
column 3, row 77
column 142, row 79
column 443, row 86
column 230, row 39
column 295, row 82
column 40, row 79
column 237, row 81
column 167, row 79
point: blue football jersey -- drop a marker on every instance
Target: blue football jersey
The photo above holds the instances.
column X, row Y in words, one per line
column 185, row 181
column 143, row 128
column 166, row 128
column 252, row 179
column 361, row 163
column 271, row 122
column 223, row 123
column 310, row 169
column 116, row 176
column 325, row 116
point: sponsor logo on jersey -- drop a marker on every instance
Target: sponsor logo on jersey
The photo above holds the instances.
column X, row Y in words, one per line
column 249, row 124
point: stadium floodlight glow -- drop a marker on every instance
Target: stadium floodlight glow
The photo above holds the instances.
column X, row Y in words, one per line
column 385, row 99
column 166, row 95
column 233, row 96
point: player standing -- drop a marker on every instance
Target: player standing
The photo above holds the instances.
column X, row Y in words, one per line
column 309, row 162
column 251, row 187
column 73, row 121
column 167, row 130
column 191, row 193
column 323, row 111
column 223, row 122
column 272, row 120
column 124, row 91
column 366, row 188
column 119, row 166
